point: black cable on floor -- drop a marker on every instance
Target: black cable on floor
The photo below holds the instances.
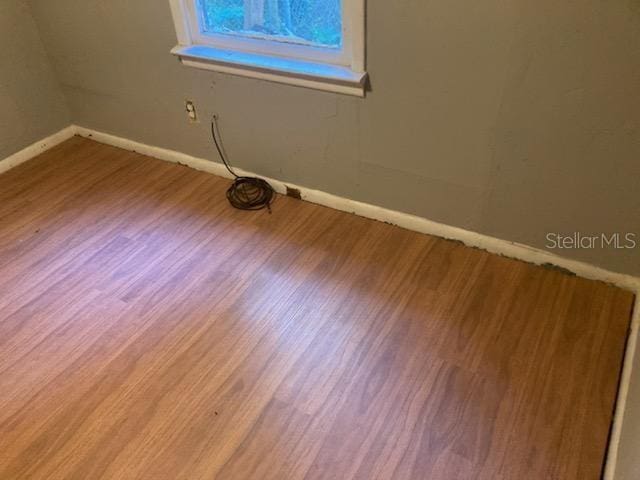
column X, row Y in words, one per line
column 246, row 193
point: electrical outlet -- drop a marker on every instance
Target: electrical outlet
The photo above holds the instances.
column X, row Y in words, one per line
column 192, row 113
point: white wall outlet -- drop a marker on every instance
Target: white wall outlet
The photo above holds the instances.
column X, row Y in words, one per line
column 192, row 113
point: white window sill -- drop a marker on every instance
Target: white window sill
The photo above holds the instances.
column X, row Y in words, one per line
column 319, row 76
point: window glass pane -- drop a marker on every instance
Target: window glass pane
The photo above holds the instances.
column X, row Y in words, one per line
column 311, row 22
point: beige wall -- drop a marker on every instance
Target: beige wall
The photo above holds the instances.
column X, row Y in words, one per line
column 31, row 103
column 511, row 118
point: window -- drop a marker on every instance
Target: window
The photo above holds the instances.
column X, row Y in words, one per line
column 311, row 43
column 317, row 23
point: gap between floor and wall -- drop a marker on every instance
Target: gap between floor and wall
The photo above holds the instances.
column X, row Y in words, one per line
column 404, row 220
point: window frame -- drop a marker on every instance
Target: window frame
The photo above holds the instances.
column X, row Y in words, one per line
column 346, row 65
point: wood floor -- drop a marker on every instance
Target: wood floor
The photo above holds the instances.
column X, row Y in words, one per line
column 149, row 331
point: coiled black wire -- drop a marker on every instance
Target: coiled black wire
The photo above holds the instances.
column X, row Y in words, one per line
column 246, row 193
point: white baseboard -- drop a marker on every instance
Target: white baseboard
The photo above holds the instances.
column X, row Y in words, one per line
column 36, row 149
column 405, row 220
column 623, row 393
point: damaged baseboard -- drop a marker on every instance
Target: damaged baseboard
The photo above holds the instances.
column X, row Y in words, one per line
column 404, row 220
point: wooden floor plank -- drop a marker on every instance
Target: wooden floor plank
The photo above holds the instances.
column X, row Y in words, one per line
column 150, row 331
